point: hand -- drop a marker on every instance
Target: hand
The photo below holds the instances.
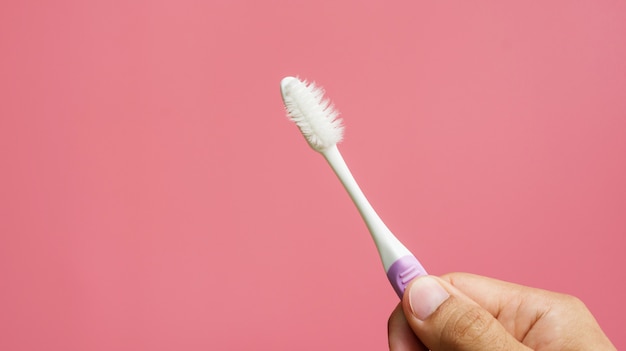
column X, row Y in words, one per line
column 467, row 312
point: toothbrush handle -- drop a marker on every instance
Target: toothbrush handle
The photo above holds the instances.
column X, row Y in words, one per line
column 402, row 271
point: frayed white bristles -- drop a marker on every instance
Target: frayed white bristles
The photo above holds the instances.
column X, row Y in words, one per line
column 315, row 116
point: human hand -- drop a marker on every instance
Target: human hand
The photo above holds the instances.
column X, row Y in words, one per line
column 462, row 311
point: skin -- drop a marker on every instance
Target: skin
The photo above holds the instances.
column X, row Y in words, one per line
column 487, row 314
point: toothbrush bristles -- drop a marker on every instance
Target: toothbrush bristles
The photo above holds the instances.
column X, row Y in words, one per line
column 315, row 115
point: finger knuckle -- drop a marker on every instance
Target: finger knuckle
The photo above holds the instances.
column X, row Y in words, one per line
column 470, row 327
column 395, row 319
column 573, row 303
column 391, row 323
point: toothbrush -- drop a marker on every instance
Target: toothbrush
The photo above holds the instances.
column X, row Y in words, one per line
column 319, row 123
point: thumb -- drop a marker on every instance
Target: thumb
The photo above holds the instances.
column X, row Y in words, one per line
column 443, row 318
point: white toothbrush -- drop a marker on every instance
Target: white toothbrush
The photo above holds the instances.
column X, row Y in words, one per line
column 317, row 119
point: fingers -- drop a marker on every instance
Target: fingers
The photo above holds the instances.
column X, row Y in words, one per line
column 516, row 307
column 444, row 318
column 461, row 311
column 493, row 294
column 400, row 335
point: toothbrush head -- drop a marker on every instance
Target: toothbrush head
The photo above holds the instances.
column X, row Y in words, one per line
column 313, row 114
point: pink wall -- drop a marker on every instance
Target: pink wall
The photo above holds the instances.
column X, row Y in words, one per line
column 154, row 197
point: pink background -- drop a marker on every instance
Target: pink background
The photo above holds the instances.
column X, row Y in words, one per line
column 155, row 197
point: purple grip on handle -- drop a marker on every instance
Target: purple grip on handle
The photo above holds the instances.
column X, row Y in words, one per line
column 403, row 271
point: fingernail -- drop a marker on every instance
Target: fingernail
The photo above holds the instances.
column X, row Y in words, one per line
column 425, row 296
